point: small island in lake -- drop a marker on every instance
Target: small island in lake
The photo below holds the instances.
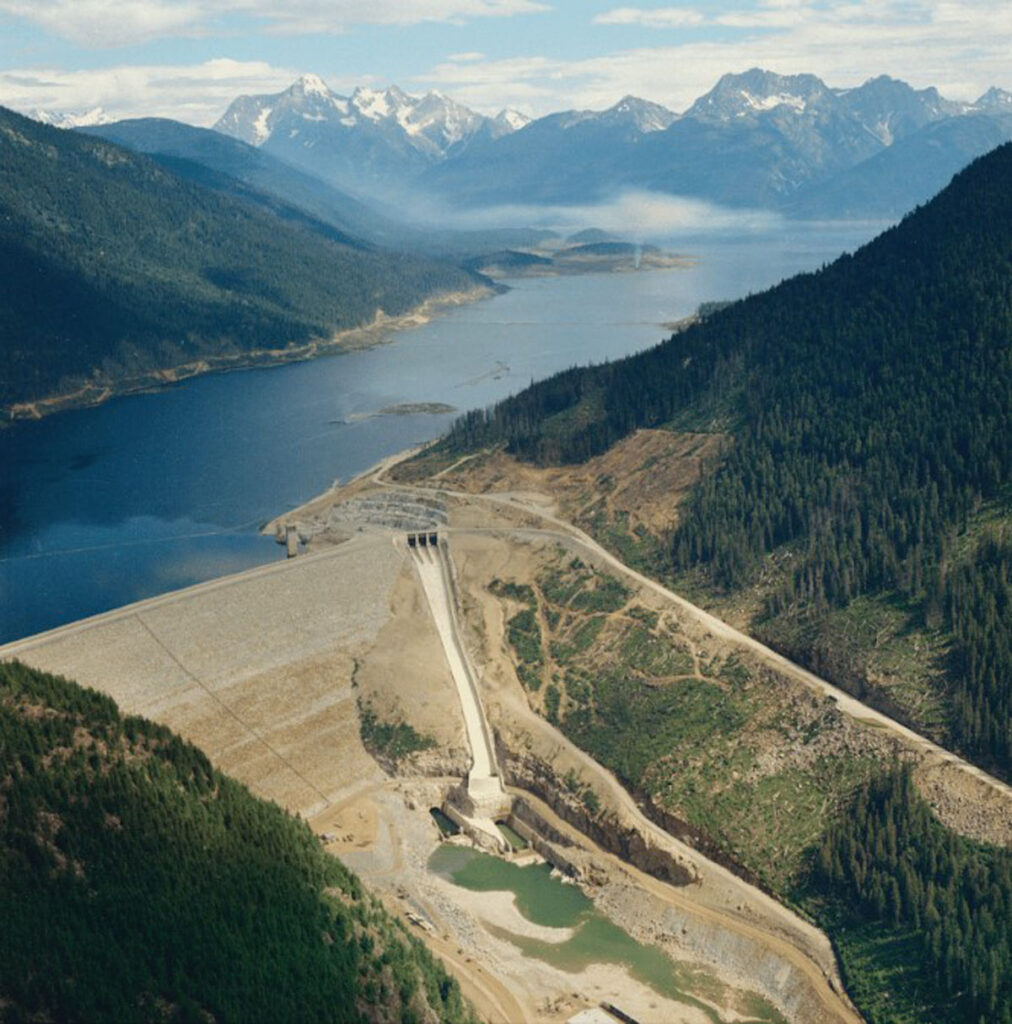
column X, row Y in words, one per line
column 404, row 409
column 587, row 252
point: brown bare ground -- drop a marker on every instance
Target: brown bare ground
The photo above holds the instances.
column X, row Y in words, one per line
column 259, row 669
column 403, row 675
column 643, row 477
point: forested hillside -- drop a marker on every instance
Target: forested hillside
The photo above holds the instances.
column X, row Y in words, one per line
column 113, row 265
column 869, row 409
column 139, row 884
column 772, row 779
column 226, row 165
column 932, row 896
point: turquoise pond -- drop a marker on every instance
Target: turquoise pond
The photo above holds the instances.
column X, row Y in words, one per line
column 550, row 902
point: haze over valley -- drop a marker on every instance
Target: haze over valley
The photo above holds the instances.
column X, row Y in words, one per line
column 505, row 512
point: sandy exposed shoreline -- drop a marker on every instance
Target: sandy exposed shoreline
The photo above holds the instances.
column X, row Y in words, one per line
column 380, row 329
column 499, row 908
column 102, row 387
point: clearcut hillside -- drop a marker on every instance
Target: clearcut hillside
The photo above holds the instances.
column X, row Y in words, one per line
column 859, row 512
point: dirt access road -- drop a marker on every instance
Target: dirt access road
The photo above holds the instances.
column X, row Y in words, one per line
column 765, row 923
column 848, row 704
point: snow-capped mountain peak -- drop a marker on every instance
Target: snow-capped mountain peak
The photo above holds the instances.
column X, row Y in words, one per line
column 510, row 119
column 310, row 85
column 995, row 101
column 443, row 119
column 646, row 116
column 757, row 92
column 64, row 119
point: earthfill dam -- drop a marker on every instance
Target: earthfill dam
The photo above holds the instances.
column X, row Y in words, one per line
column 293, row 676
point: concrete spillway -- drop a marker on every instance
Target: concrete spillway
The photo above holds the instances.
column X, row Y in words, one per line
column 485, row 794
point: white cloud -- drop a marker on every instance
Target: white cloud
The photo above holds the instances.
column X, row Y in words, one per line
column 658, row 17
column 109, row 22
column 777, row 17
column 960, row 47
column 105, row 23
column 639, row 215
column 197, row 93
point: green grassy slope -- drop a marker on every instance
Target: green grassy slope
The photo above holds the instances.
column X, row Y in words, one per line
column 113, row 264
column 776, row 782
column 139, row 884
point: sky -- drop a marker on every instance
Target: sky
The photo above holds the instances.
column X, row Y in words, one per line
column 187, row 59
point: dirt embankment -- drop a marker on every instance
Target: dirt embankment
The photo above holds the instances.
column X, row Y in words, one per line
column 639, row 482
column 104, row 384
column 525, row 770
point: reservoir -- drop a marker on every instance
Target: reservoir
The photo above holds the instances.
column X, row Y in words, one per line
column 149, row 493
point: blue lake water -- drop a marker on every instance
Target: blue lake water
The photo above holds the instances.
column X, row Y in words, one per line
column 149, row 493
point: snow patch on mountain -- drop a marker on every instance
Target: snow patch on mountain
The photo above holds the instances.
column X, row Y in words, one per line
column 66, row 119
column 261, row 132
column 371, row 104
column 882, row 131
column 782, row 99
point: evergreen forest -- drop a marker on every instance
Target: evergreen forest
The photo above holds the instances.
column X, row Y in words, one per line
column 942, row 900
column 139, row 884
column 114, row 266
column 866, row 415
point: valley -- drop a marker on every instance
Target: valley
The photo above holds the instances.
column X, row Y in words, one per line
column 270, row 672
column 280, row 719
column 638, row 679
column 169, row 488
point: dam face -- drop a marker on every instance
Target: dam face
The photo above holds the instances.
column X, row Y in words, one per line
column 476, row 804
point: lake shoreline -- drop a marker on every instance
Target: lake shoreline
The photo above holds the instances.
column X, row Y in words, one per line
column 125, row 500
column 378, row 331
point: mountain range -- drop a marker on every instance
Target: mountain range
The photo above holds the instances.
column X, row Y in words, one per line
column 757, row 139
column 369, row 141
